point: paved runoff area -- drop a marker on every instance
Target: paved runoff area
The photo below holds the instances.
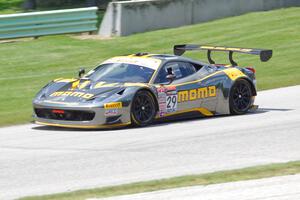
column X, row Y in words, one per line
column 37, row 160
column 277, row 188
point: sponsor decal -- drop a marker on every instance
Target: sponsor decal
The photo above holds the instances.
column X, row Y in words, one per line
column 113, row 105
column 194, row 94
column 171, row 101
column 161, row 92
column 111, row 112
column 170, row 87
column 112, row 109
column 72, row 94
column 167, row 99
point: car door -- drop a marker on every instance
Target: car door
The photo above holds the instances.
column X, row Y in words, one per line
column 186, row 92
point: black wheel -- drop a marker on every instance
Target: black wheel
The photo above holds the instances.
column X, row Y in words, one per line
column 240, row 97
column 143, row 109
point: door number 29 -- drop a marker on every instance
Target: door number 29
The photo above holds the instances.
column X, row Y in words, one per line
column 171, row 103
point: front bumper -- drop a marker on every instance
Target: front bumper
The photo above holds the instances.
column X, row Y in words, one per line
column 107, row 126
column 100, row 119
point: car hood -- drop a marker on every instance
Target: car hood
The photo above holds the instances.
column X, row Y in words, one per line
column 82, row 90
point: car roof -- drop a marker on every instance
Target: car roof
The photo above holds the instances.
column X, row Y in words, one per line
column 152, row 61
column 168, row 57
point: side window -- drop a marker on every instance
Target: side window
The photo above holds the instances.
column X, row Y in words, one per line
column 179, row 69
column 187, row 69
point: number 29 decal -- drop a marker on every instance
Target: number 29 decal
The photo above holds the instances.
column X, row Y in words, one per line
column 171, row 101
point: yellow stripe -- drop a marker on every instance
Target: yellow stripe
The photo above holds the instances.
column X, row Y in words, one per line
column 196, row 81
column 136, row 84
column 104, row 84
column 83, row 126
column 84, row 84
column 153, row 75
column 75, row 84
column 233, row 73
column 60, row 80
column 203, row 111
column 130, row 56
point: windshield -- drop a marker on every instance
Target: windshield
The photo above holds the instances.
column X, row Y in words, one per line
column 121, row 73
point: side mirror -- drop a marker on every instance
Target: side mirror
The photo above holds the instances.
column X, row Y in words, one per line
column 81, row 72
column 171, row 78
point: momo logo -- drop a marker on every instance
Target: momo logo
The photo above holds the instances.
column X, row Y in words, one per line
column 72, row 94
column 194, row 94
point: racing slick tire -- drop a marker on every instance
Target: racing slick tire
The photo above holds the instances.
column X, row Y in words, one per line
column 143, row 109
column 240, row 100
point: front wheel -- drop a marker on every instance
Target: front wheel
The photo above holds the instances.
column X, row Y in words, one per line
column 240, row 99
column 143, row 108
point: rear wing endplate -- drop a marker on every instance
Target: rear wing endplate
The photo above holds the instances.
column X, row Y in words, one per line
column 264, row 54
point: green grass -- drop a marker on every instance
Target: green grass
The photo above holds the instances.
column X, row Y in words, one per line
column 26, row 66
column 250, row 173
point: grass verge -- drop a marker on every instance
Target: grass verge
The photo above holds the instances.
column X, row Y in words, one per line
column 25, row 67
column 249, row 173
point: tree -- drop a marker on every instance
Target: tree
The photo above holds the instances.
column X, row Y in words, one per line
column 29, row 4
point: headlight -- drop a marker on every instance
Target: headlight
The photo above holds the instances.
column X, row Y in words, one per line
column 42, row 93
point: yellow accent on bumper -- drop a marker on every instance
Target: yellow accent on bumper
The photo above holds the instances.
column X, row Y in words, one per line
column 203, row 111
column 84, row 126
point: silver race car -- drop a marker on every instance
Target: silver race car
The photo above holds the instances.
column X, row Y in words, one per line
column 138, row 89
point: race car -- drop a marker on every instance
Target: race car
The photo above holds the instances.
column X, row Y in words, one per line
column 141, row 88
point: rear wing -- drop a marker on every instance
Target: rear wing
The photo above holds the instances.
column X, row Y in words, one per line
column 264, row 54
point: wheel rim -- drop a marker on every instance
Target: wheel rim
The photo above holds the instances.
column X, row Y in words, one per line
column 241, row 97
column 143, row 108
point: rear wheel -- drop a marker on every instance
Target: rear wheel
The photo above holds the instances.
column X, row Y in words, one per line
column 143, row 108
column 240, row 99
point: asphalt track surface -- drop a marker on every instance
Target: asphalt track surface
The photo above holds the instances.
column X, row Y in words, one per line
column 277, row 188
column 39, row 160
